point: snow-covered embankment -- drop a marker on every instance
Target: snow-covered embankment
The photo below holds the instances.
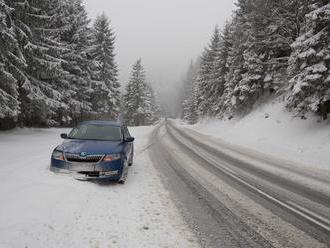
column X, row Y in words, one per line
column 272, row 130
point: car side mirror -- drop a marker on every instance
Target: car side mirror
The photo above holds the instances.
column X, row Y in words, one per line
column 130, row 139
column 64, row 136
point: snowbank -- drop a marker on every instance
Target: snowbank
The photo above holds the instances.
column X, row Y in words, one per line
column 272, row 130
column 42, row 209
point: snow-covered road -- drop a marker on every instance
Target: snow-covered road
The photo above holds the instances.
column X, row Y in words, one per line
column 236, row 198
column 42, row 209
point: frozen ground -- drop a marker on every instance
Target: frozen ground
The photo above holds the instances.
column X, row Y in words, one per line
column 42, row 209
column 272, row 130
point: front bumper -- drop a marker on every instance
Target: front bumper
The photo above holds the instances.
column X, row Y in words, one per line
column 89, row 171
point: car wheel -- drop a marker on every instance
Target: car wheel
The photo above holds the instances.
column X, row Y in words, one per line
column 123, row 177
column 120, row 181
column 130, row 163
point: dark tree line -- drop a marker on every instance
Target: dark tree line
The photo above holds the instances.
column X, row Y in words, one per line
column 55, row 68
column 269, row 48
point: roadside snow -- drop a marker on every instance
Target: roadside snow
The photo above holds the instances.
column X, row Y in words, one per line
column 42, row 209
column 273, row 131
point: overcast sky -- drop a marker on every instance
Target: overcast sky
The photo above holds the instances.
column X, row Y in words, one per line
column 166, row 34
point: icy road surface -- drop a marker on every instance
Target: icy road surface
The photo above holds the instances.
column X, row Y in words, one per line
column 42, row 209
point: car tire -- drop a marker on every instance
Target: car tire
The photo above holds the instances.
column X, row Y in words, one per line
column 123, row 177
column 120, row 181
column 130, row 163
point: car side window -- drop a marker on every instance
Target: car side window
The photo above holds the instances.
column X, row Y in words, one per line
column 126, row 132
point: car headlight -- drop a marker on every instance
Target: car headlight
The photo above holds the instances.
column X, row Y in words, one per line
column 57, row 155
column 112, row 157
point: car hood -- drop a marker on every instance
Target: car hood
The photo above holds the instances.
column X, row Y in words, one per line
column 91, row 146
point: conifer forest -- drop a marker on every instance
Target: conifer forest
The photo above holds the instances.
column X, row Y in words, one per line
column 57, row 67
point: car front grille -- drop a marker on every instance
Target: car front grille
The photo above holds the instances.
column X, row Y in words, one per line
column 71, row 157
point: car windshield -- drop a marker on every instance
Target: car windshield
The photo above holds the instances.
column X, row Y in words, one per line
column 96, row 132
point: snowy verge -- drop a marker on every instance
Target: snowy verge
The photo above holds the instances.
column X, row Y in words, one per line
column 272, row 130
column 42, row 209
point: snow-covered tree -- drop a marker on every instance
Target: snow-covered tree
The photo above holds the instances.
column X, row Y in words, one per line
column 208, row 76
column 155, row 105
column 187, row 88
column 259, row 38
column 105, row 96
column 11, row 65
column 44, row 80
column 77, row 36
column 138, row 101
column 235, row 37
column 309, row 63
column 190, row 106
column 47, row 55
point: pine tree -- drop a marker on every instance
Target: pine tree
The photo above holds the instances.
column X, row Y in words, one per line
column 138, row 102
column 105, row 96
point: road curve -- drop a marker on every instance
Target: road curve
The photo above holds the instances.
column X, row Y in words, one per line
column 234, row 197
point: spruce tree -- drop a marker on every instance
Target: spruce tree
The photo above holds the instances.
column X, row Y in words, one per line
column 218, row 94
column 190, row 105
column 309, row 63
column 105, row 96
column 230, row 68
column 155, row 106
column 262, row 47
column 11, row 65
column 77, row 36
column 47, row 55
column 208, row 75
column 256, row 16
column 43, row 82
column 139, row 100
column 187, row 87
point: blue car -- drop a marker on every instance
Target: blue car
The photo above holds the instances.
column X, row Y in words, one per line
column 100, row 150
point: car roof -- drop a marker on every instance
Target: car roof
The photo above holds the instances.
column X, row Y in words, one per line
column 97, row 122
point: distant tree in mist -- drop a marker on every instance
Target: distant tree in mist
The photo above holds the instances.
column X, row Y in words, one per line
column 187, row 97
column 139, row 104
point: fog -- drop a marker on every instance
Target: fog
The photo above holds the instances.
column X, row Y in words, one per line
column 166, row 34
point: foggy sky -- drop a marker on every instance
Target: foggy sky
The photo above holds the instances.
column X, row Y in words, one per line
column 166, row 34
